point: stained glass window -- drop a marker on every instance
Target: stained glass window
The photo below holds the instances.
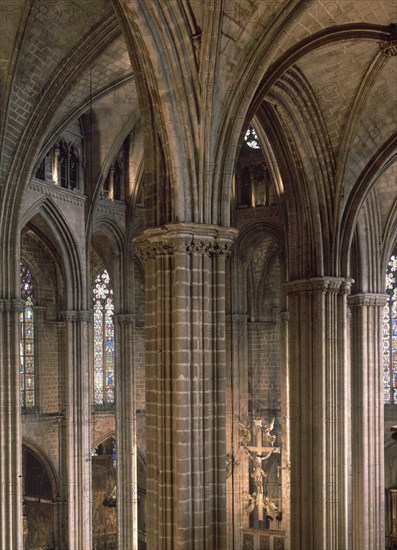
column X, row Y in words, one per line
column 26, row 320
column 390, row 334
column 103, row 340
column 251, row 138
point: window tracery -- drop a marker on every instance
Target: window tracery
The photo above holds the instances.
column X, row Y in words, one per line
column 61, row 165
column 390, row 334
column 104, row 366
column 113, row 184
column 251, row 138
column 26, row 320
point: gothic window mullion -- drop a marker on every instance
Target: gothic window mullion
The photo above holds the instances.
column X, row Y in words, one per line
column 390, row 333
column 27, row 346
column 103, row 340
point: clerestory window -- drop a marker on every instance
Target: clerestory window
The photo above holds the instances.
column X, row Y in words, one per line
column 104, row 358
column 26, row 320
column 390, row 334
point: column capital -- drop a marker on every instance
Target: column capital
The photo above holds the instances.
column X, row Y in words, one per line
column 184, row 238
column 12, row 305
column 319, row 285
column 367, row 299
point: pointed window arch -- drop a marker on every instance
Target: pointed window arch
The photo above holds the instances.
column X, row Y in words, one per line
column 390, row 334
column 74, row 168
column 251, row 137
column 26, row 320
column 103, row 340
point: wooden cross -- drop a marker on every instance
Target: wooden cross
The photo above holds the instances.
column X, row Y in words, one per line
column 258, row 453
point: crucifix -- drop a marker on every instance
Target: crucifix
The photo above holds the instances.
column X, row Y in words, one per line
column 258, row 454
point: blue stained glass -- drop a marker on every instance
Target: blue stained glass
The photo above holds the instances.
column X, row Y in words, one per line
column 390, row 334
column 26, row 321
column 103, row 339
column 251, row 138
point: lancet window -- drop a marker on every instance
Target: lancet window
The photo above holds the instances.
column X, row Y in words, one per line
column 390, row 334
column 26, row 320
column 61, row 165
column 113, row 185
column 104, row 359
column 251, row 138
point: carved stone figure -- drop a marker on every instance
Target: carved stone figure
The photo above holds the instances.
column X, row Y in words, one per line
column 268, row 428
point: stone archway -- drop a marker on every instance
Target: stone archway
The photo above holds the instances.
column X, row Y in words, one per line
column 40, row 509
column 104, row 511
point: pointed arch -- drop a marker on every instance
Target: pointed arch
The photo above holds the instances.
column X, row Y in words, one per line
column 67, row 246
column 46, row 462
column 377, row 165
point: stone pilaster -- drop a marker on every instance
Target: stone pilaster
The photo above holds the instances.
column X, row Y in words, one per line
column 319, row 414
column 78, row 420
column 367, row 421
column 10, row 428
column 127, row 486
column 185, row 384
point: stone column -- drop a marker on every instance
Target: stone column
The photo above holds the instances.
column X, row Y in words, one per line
column 319, row 408
column 78, row 420
column 285, row 430
column 367, row 421
column 237, row 411
column 11, row 527
column 127, row 485
column 185, row 384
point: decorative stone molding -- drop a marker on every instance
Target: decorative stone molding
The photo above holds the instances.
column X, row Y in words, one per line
column 388, row 47
column 322, row 285
column 51, row 190
column 208, row 240
column 110, row 208
column 367, row 299
column 12, row 306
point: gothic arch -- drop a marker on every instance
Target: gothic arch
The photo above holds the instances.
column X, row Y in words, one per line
column 113, row 231
column 389, row 237
column 112, row 152
column 322, row 38
column 167, row 127
column 46, row 462
column 100, row 440
column 365, row 183
column 66, row 243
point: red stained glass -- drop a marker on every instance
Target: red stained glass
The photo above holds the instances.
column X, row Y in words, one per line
column 26, row 321
column 103, row 340
column 390, row 334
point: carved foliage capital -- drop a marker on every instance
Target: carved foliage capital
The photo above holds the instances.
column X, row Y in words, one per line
column 184, row 239
column 319, row 285
column 367, row 299
column 11, row 306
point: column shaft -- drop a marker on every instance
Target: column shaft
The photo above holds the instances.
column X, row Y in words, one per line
column 78, row 412
column 237, row 411
column 186, row 385
column 319, row 405
column 127, row 486
column 367, row 421
column 10, row 429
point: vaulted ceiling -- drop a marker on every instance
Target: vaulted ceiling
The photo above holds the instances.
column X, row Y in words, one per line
column 199, row 71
